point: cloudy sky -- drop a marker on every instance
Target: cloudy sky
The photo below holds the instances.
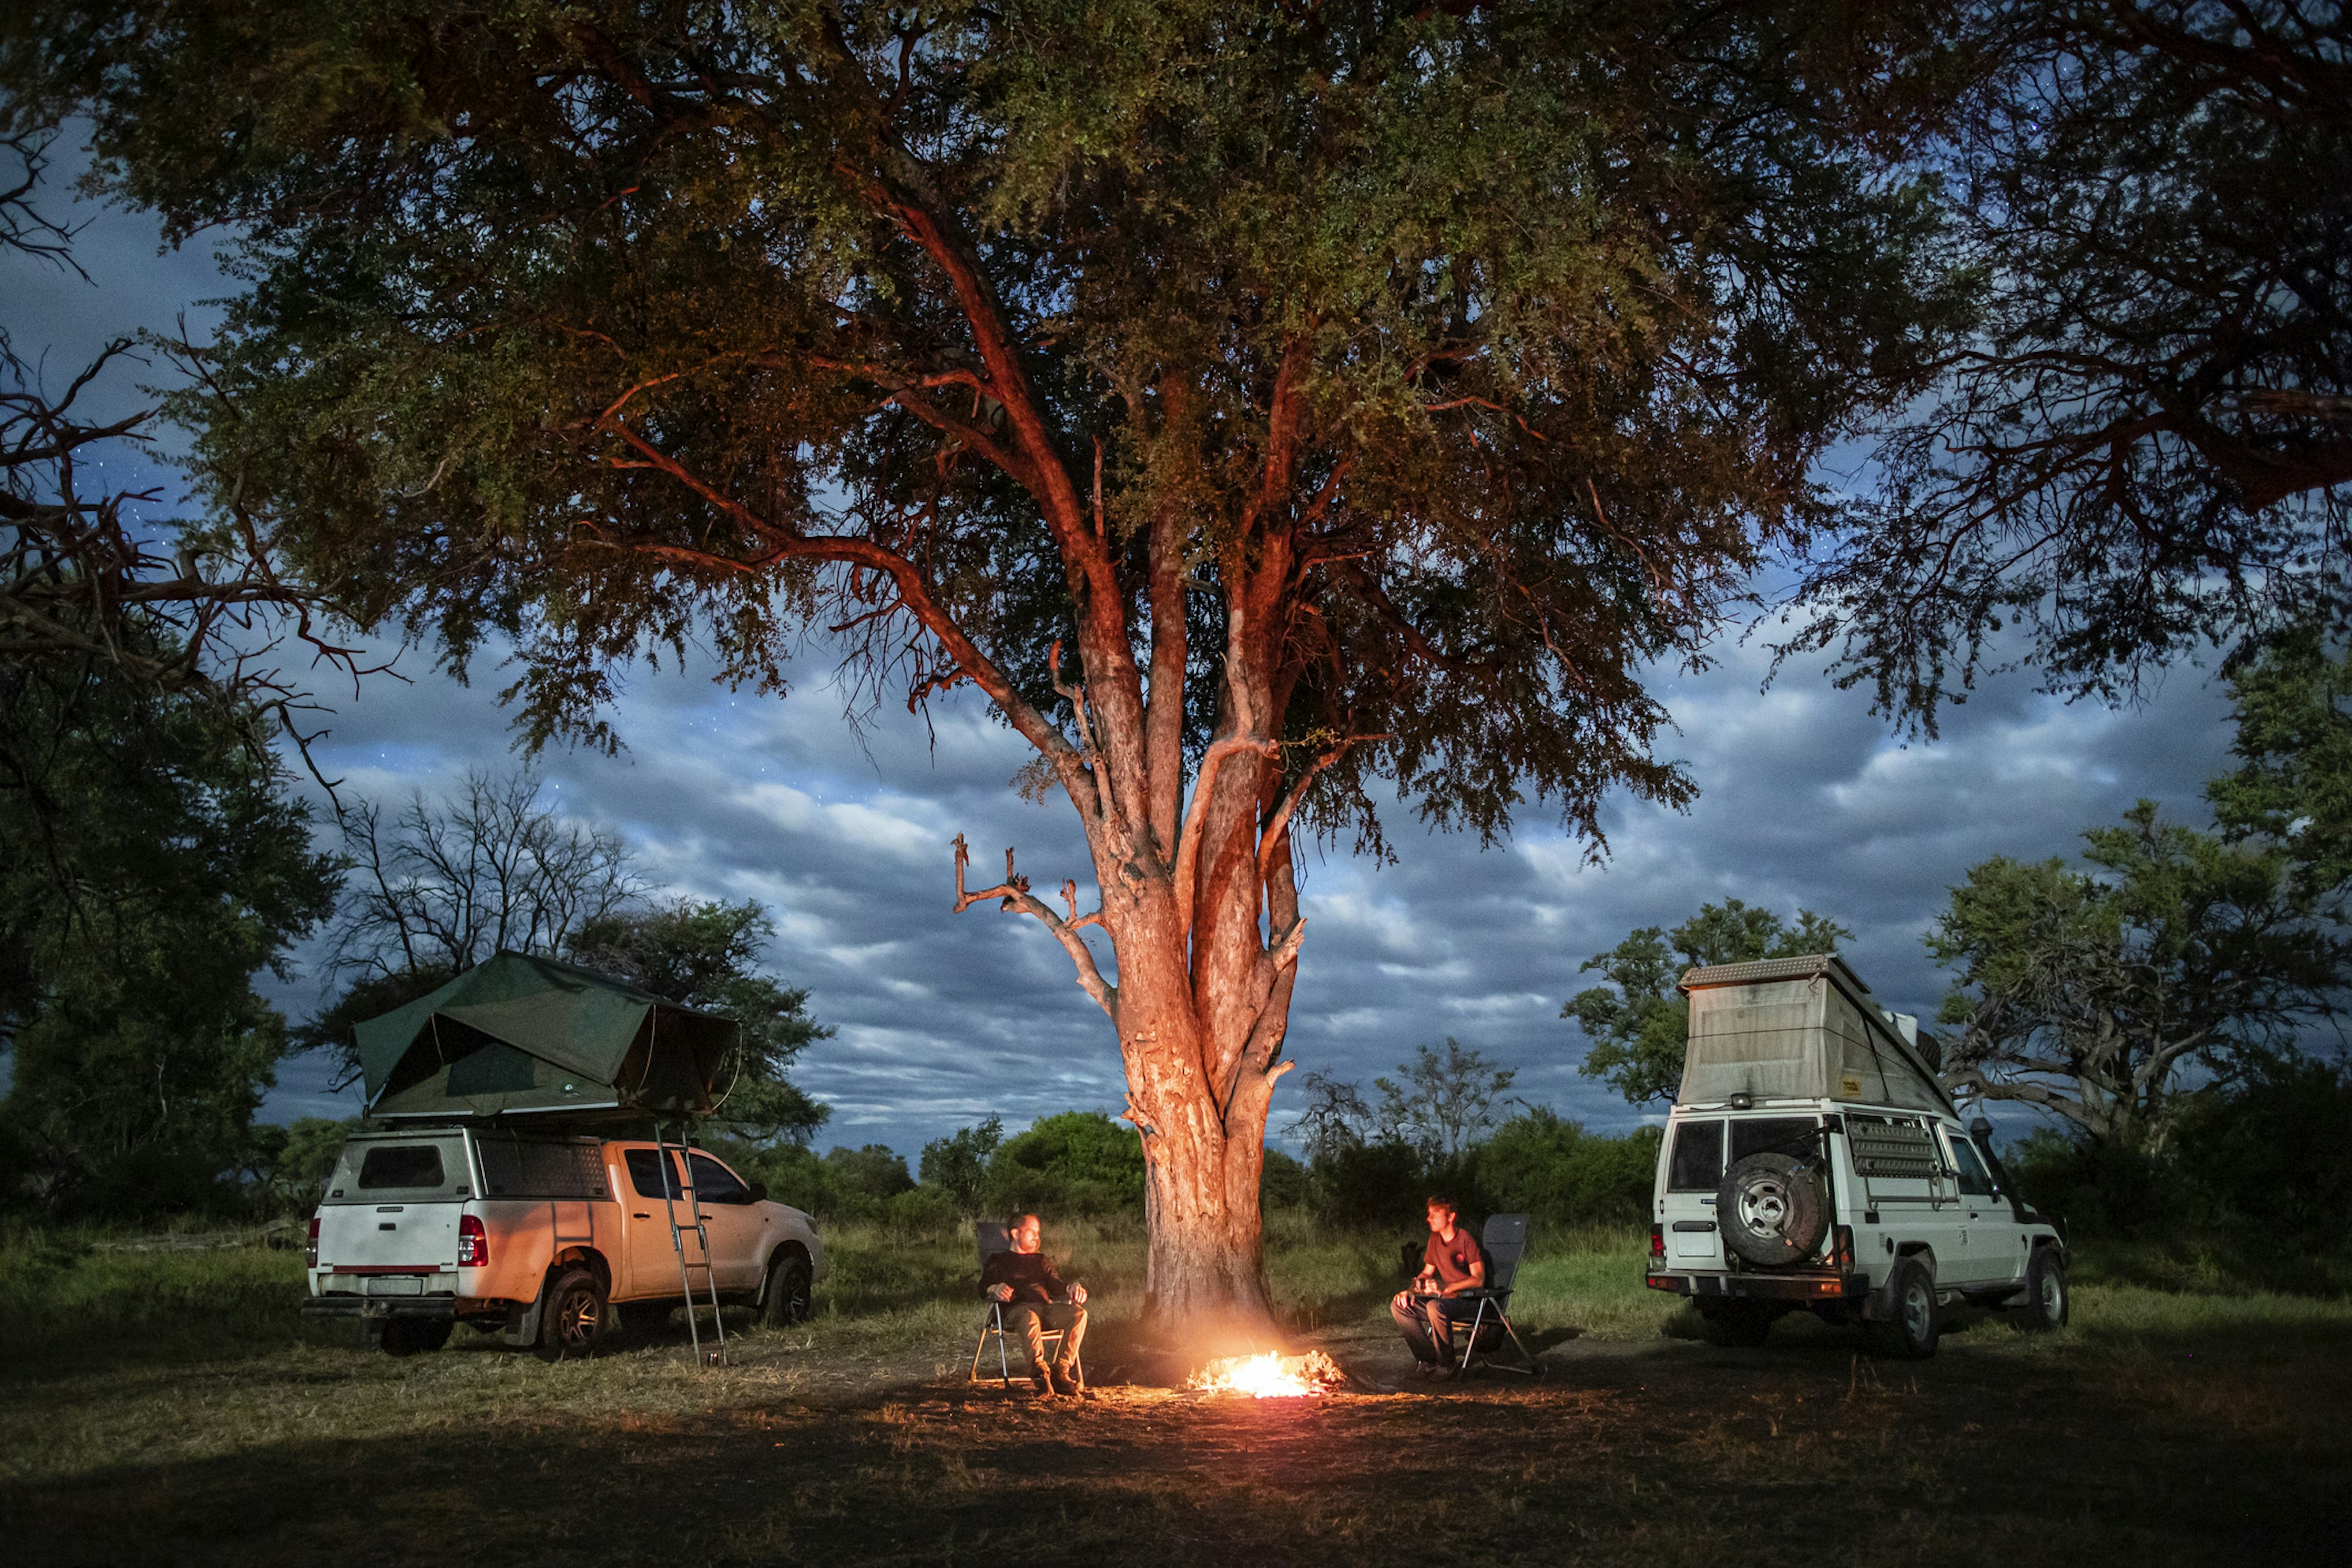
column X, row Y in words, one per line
column 1806, row 801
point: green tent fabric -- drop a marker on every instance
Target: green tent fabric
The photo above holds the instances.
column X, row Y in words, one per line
column 521, row 1035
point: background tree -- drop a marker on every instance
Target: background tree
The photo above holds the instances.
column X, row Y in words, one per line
column 440, row 887
column 1261, row 406
column 958, row 1164
column 2147, row 442
column 1444, row 1104
column 2117, row 998
column 2292, row 703
column 1641, row 1030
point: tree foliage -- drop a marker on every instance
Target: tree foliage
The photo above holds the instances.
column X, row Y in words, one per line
column 2116, row 997
column 958, row 1164
column 2148, row 442
column 152, row 866
column 2292, row 703
column 1640, row 1029
column 1442, row 1104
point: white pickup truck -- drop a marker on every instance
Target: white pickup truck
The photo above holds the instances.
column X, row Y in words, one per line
column 543, row 1238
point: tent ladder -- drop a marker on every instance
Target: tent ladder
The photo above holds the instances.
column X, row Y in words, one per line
column 693, row 1224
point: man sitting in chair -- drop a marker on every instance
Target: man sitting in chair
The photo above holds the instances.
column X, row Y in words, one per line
column 1036, row 1302
column 1452, row 1263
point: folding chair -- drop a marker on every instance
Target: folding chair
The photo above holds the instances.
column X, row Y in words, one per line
column 1503, row 1241
column 993, row 1240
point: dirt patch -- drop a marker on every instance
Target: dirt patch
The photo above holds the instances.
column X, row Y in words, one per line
column 1666, row 1453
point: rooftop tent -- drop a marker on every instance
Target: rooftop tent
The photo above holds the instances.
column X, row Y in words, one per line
column 520, row 1035
column 1799, row 1029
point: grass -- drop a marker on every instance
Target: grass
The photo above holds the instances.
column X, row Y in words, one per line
column 174, row 1399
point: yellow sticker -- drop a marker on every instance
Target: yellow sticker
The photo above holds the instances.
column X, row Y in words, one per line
column 1850, row 1084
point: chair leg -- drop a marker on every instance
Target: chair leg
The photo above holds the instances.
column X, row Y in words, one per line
column 1534, row 1367
column 1470, row 1349
column 977, row 1345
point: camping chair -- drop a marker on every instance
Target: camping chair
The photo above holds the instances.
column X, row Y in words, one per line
column 993, row 1240
column 1503, row 1241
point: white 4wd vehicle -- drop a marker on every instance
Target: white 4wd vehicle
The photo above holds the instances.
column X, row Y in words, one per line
column 1812, row 1162
column 542, row 1237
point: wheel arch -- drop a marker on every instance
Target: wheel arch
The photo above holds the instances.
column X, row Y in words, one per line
column 790, row 1247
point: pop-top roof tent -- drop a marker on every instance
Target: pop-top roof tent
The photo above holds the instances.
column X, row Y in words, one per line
column 1800, row 1028
column 524, row 1035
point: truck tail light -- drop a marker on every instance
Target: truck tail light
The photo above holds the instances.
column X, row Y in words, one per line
column 473, row 1245
column 1658, row 1242
column 310, row 1245
column 1845, row 1255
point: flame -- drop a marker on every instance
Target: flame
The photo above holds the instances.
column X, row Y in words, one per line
column 1269, row 1377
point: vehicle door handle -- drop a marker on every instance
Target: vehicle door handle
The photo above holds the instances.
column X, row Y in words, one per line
column 636, row 1215
column 388, row 1225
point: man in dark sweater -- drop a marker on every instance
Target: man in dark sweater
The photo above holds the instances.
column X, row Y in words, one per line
column 1426, row 1311
column 1035, row 1302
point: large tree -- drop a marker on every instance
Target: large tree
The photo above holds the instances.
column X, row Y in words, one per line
column 1271, row 408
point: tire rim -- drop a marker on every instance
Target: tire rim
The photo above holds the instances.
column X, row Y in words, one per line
column 575, row 1322
column 1764, row 1207
column 1915, row 1311
column 2053, row 1299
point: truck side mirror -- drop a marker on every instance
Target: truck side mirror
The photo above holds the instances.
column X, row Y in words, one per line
column 1981, row 1129
column 759, row 1191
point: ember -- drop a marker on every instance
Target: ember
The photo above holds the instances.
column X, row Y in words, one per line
column 1270, row 1377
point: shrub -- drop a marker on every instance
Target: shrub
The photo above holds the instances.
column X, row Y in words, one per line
column 1080, row 1161
column 1553, row 1170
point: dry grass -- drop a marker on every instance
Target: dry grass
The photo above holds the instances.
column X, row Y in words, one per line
column 175, row 1402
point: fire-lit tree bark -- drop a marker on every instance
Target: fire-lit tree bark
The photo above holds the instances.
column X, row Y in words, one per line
column 1260, row 404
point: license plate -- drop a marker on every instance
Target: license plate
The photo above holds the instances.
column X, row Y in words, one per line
column 395, row 1285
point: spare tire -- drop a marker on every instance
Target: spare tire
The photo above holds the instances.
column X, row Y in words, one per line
column 1772, row 1210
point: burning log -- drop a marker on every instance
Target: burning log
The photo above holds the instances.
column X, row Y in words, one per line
column 1270, row 1377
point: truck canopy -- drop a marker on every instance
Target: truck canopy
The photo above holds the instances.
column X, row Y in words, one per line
column 521, row 1035
column 1799, row 1029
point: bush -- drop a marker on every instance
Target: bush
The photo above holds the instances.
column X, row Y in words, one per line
column 1284, row 1184
column 1078, row 1162
column 1557, row 1174
column 1380, row 1183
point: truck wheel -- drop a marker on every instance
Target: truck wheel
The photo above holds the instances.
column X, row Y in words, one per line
column 401, row 1336
column 1738, row 1323
column 1911, row 1331
column 2047, row 1299
column 787, row 1300
column 571, row 1324
column 1772, row 1210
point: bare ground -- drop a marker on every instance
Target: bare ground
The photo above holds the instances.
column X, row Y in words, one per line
column 2193, row 1450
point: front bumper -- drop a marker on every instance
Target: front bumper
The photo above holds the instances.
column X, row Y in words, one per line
column 1795, row 1287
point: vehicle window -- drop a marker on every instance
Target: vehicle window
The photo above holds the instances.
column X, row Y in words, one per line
column 1698, row 1162
column 402, row 1165
column 714, row 1183
column 519, row 1168
column 1975, row 1180
column 646, row 1168
column 1774, row 1134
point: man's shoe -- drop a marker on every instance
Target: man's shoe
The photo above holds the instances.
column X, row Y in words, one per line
column 1440, row 1370
column 1065, row 1382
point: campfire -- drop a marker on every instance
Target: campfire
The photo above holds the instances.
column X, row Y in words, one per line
column 1270, row 1377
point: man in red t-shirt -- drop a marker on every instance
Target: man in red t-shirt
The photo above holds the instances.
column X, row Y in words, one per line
column 1450, row 1264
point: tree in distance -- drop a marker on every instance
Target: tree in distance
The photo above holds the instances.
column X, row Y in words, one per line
column 445, row 885
column 1443, row 1105
column 442, row 886
column 958, row 1164
column 2092, row 994
column 1264, row 407
column 1641, row 1030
